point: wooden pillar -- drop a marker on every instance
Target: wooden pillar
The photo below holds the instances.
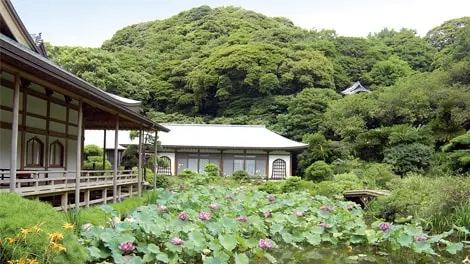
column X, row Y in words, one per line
column 23, row 132
column 139, row 173
column 64, row 201
column 115, row 163
column 87, row 198
column 79, row 154
column 14, row 133
column 290, row 159
column 155, row 155
column 104, row 194
column 221, row 163
column 267, row 165
column 119, row 192
column 104, row 149
column 131, row 191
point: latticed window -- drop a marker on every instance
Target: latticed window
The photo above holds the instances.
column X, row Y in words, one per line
column 279, row 169
column 164, row 170
column 56, row 154
column 34, row 153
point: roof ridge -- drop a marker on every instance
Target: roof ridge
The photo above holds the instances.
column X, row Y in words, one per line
column 213, row 125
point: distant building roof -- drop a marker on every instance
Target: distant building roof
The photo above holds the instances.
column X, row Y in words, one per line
column 210, row 136
column 355, row 88
column 225, row 137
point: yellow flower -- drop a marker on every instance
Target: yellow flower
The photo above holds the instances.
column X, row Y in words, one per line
column 11, row 262
column 349, row 248
column 11, row 240
column 56, row 236
column 33, row 261
column 61, row 248
column 25, row 231
column 37, row 228
column 22, row 260
column 68, row 226
column 54, row 245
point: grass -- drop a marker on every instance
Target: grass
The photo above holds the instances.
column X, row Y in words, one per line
column 17, row 213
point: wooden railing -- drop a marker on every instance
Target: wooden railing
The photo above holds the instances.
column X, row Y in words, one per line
column 41, row 182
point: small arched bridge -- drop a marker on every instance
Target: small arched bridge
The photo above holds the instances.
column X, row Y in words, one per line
column 363, row 197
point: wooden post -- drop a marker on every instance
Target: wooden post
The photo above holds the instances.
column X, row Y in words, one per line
column 104, row 150
column 267, row 165
column 105, row 195
column 130, row 191
column 115, row 164
column 14, row 133
column 221, row 163
column 64, row 201
column 79, row 154
column 139, row 173
column 155, row 166
column 87, row 198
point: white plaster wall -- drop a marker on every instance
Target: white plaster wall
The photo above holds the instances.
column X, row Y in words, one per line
column 285, row 157
column 5, row 149
column 172, row 157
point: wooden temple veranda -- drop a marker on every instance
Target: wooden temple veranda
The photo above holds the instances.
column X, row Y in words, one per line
column 44, row 111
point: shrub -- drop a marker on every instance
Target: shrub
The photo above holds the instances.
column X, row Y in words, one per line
column 376, row 175
column 241, row 175
column 319, row 171
column 93, row 151
column 440, row 200
column 187, row 174
column 96, row 163
column 17, row 213
column 406, row 158
column 271, row 187
column 345, row 166
column 211, row 170
column 339, row 184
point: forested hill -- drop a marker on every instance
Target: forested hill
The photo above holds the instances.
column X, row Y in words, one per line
column 231, row 65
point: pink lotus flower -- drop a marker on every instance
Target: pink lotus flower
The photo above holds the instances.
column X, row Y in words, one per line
column 323, row 225
column 265, row 243
column 229, row 197
column 271, row 198
column 127, row 247
column 183, row 216
column 350, row 206
column 205, row 216
column 421, row 238
column 384, row 227
column 213, row 206
column 177, row 241
column 163, row 208
column 325, row 208
column 181, row 186
column 243, row 219
column 299, row 214
column 267, row 214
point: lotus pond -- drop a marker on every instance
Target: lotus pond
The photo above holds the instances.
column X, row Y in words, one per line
column 221, row 225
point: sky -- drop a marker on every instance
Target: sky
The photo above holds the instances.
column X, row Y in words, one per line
column 90, row 22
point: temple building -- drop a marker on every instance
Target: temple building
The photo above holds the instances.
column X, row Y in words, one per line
column 44, row 111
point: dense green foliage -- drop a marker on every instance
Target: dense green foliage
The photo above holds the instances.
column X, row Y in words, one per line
column 29, row 224
column 94, row 158
column 230, row 65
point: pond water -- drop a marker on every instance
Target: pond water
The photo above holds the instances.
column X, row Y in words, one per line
column 330, row 255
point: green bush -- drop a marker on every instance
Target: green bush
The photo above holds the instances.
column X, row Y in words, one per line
column 339, row 184
column 319, row 171
column 187, row 174
column 345, row 166
column 376, row 175
column 18, row 213
column 93, row 151
column 97, row 161
column 211, row 170
column 441, row 200
column 240, row 175
column 271, row 187
column 406, row 158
